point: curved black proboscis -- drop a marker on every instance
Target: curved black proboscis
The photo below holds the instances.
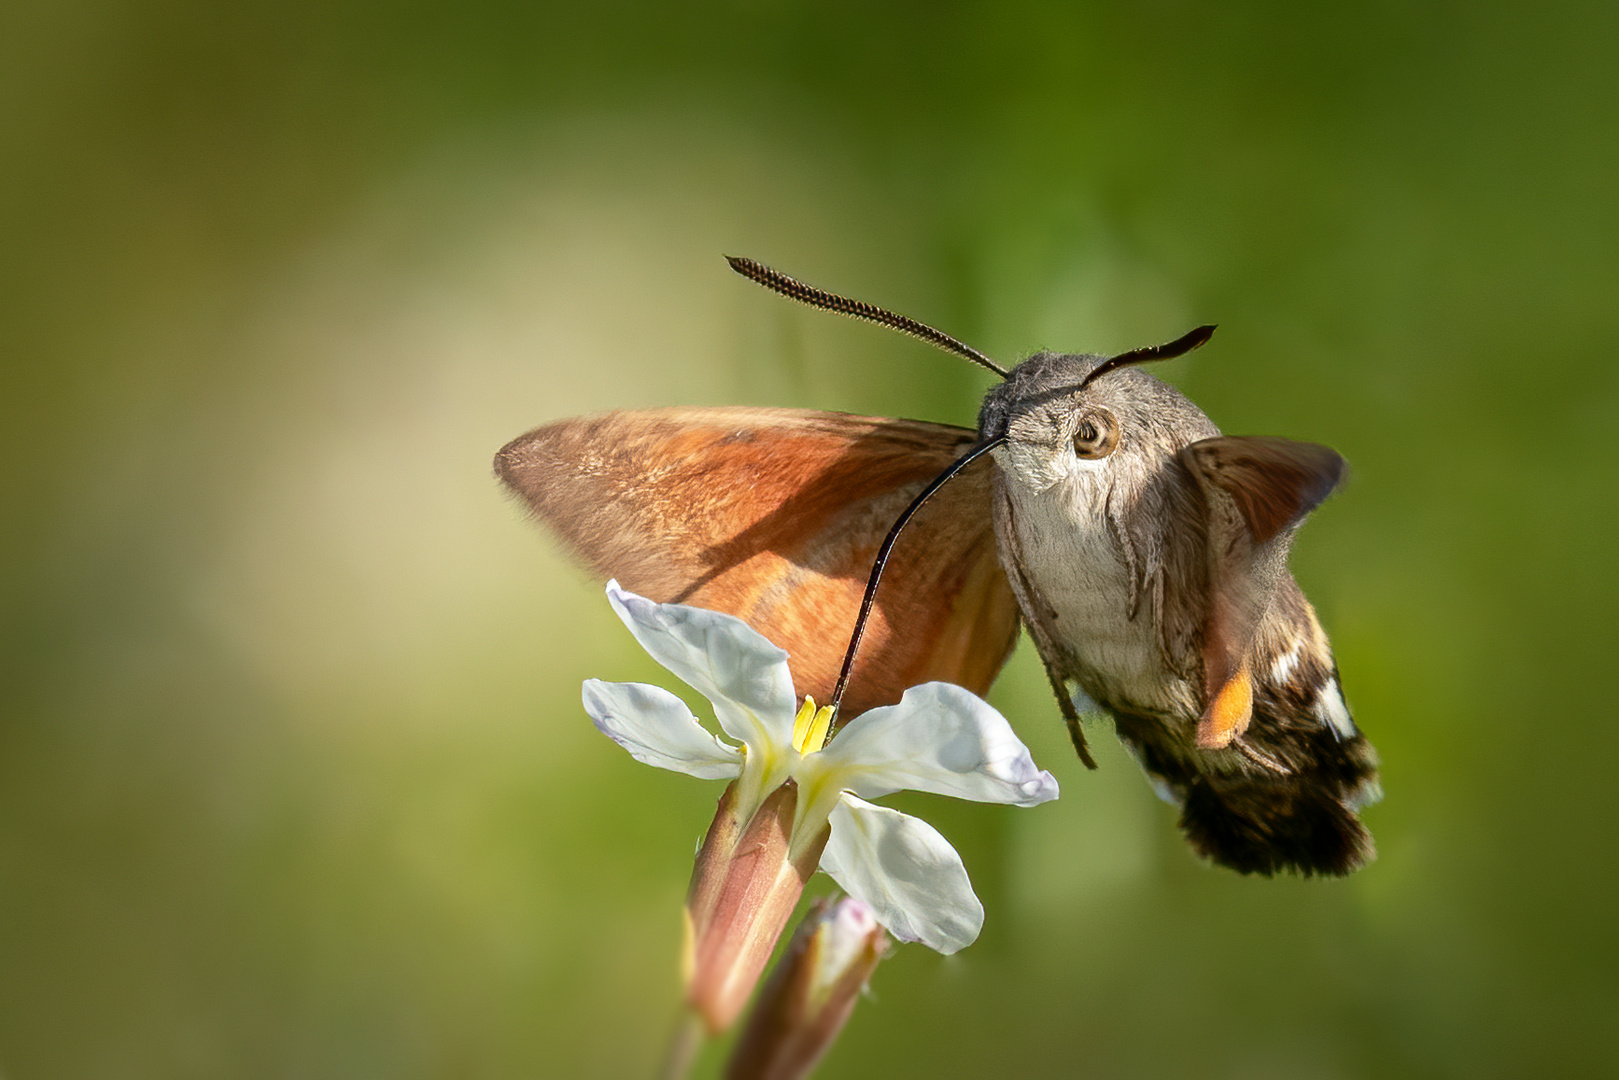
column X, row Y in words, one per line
column 977, row 451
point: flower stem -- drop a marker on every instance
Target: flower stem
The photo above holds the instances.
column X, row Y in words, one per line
column 684, row 1042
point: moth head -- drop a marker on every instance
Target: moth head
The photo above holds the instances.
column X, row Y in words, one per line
column 1096, row 421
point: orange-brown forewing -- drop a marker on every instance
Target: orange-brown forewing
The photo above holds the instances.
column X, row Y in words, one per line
column 775, row 515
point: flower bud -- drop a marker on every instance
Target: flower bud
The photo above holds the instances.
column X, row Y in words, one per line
column 811, row 993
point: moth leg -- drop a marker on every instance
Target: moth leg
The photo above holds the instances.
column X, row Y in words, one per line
column 1070, row 716
column 1036, row 613
column 1259, row 757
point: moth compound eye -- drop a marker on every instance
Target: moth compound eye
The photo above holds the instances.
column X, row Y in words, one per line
column 1096, row 435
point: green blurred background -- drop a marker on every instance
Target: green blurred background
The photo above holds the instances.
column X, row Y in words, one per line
column 294, row 780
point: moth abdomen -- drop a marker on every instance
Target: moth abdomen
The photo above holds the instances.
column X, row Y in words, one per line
column 1259, row 824
column 1285, row 799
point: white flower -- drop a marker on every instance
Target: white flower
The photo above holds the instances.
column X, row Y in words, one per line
column 939, row 738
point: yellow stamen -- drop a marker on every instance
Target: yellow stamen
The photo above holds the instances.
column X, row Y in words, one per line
column 817, row 730
column 802, row 722
column 810, row 726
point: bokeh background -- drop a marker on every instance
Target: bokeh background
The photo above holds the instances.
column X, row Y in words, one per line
column 293, row 777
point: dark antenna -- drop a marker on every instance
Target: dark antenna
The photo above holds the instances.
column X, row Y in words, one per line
column 977, row 451
column 1179, row 347
column 859, row 309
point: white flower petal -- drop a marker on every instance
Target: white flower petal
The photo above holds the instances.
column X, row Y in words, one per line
column 909, row 874
column 658, row 729
column 939, row 738
column 722, row 658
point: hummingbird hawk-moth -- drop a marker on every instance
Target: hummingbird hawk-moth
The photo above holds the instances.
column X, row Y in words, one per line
column 1096, row 505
